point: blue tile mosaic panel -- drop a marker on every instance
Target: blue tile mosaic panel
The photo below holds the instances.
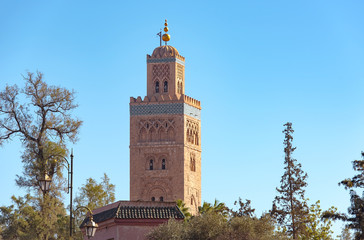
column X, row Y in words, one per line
column 168, row 108
column 160, row 60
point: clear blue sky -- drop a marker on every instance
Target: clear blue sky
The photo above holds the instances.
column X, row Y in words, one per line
column 254, row 65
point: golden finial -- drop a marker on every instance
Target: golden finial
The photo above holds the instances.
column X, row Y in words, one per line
column 166, row 36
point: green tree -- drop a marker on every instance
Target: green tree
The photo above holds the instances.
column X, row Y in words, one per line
column 289, row 207
column 24, row 220
column 244, row 209
column 185, row 210
column 253, row 228
column 355, row 216
column 92, row 195
column 172, row 230
column 318, row 228
column 42, row 122
column 213, row 226
column 40, row 116
column 345, row 234
column 218, row 207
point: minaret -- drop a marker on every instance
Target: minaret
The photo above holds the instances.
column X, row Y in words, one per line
column 165, row 134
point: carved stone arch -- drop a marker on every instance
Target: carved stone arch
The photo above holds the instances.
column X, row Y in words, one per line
column 156, row 124
column 193, row 203
column 170, row 133
column 165, row 85
column 152, row 134
column 190, row 135
column 160, row 162
column 158, row 183
column 147, row 162
column 157, row 85
column 148, row 124
column 157, row 192
column 163, row 134
column 143, row 135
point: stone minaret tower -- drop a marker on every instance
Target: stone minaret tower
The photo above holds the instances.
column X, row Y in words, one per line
column 165, row 134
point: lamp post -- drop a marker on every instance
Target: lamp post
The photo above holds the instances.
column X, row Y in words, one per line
column 45, row 182
column 91, row 226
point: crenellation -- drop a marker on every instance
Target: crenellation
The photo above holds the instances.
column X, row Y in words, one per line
column 165, row 98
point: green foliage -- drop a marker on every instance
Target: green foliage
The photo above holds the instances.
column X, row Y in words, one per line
column 182, row 206
column 316, row 227
column 212, row 225
column 33, row 218
column 172, row 230
column 218, row 208
column 345, row 234
column 244, row 209
column 40, row 116
column 289, row 207
column 92, row 195
column 252, row 228
column 42, row 122
column 355, row 216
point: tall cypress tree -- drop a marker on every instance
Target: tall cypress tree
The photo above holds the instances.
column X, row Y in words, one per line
column 289, row 207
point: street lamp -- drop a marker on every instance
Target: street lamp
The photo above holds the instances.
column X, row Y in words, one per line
column 90, row 226
column 45, row 182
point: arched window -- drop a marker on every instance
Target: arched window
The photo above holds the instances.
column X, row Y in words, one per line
column 157, row 87
column 191, row 200
column 179, row 87
column 151, row 164
column 161, row 199
column 192, row 164
column 153, row 199
column 165, row 89
column 163, row 164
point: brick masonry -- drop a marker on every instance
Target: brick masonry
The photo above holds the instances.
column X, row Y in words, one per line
column 165, row 135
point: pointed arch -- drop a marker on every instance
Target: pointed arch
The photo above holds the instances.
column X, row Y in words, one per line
column 157, row 86
column 143, row 135
column 165, row 86
column 163, row 134
column 170, row 132
column 152, row 134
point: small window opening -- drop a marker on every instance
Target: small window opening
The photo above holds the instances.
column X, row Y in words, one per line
column 191, row 201
column 165, row 86
column 192, row 164
column 151, row 164
column 161, row 199
column 163, row 164
column 153, row 199
column 157, row 87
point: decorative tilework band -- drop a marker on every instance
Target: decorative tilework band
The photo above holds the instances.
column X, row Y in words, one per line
column 160, row 60
column 168, row 108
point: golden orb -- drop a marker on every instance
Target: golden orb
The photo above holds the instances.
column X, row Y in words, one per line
column 166, row 24
column 166, row 29
column 166, row 37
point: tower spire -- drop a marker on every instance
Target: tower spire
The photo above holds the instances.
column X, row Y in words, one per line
column 166, row 36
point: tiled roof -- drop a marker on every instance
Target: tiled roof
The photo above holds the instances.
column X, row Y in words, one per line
column 137, row 210
column 141, row 212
